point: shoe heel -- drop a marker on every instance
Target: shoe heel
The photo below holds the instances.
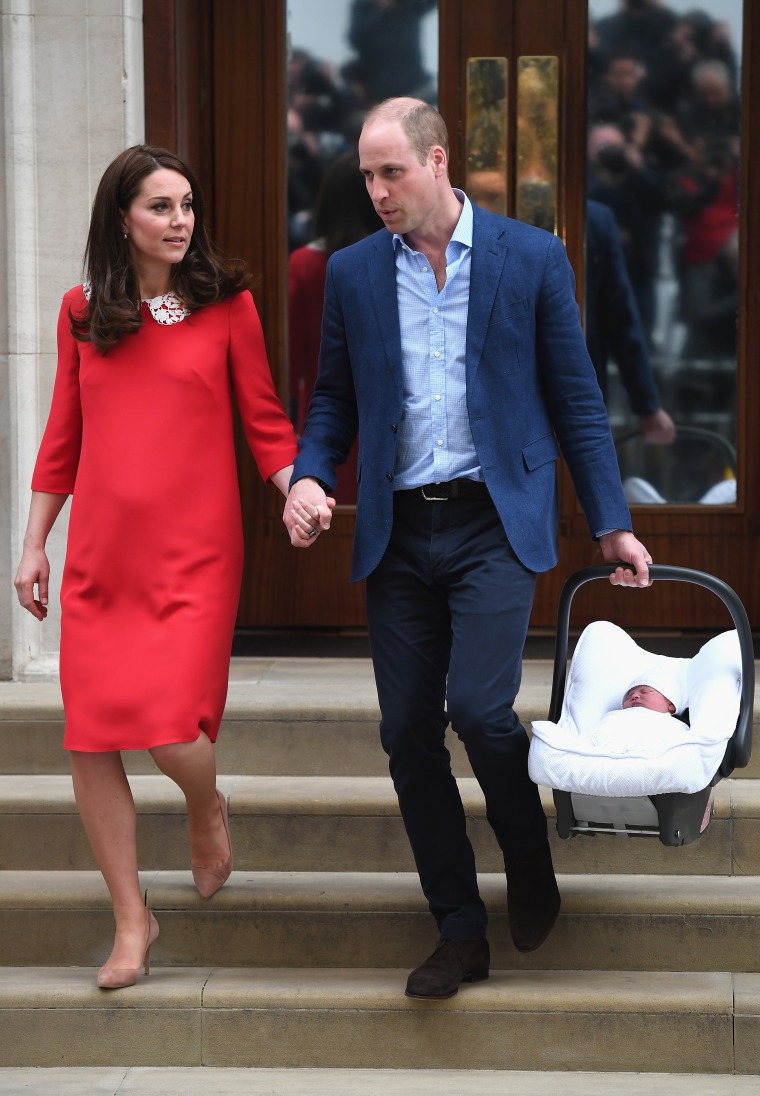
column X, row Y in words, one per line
column 121, row 978
column 476, row 975
column 152, row 937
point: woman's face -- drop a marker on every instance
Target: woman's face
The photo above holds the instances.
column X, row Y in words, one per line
column 159, row 222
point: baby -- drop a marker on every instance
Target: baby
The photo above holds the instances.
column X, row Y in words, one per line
column 646, row 696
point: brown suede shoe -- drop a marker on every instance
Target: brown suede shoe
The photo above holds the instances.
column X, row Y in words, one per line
column 452, row 962
column 533, row 898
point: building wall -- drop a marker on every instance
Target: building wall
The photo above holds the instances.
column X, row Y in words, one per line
column 6, row 592
column 73, row 97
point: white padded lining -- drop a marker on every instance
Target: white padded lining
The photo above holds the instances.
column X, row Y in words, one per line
column 596, row 748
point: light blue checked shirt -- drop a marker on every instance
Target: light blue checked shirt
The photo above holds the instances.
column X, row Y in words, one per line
column 435, row 443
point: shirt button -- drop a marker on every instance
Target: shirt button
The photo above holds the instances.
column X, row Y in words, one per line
column 424, row 270
column 435, row 310
column 437, row 397
column 437, row 354
column 440, row 441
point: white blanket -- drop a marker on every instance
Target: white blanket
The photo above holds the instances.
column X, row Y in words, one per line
column 597, row 748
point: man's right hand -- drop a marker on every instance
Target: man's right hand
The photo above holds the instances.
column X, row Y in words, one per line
column 307, row 513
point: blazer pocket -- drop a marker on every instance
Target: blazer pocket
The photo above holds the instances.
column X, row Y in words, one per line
column 504, row 313
column 540, row 452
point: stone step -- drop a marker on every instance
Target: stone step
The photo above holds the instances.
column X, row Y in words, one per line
column 334, row 1018
column 229, row 1081
column 356, row 919
column 305, row 717
column 346, row 824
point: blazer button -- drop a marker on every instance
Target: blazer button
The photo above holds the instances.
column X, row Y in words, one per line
column 394, row 428
column 389, row 476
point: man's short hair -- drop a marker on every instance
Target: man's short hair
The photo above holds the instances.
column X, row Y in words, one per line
column 422, row 124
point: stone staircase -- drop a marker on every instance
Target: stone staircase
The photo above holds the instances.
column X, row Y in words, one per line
column 300, row 961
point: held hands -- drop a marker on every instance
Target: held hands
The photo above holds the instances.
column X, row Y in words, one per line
column 33, row 569
column 622, row 545
column 307, row 513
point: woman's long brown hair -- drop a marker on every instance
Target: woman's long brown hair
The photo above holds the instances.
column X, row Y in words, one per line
column 204, row 276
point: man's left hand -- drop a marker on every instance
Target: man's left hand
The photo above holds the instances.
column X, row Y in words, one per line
column 620, row 545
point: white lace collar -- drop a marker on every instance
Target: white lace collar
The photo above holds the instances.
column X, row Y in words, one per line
column 165, row 309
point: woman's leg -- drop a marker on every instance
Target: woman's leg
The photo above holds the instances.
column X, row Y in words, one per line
column 192, row 766
column 107, row 810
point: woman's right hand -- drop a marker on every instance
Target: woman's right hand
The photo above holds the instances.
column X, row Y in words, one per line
column 33, row 570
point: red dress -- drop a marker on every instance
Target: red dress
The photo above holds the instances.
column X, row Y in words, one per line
column 143, row 438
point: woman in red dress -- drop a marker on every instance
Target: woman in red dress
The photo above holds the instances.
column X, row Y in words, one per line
column 151, row 351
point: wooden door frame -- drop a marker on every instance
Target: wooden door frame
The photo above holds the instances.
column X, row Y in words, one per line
column 199, row 87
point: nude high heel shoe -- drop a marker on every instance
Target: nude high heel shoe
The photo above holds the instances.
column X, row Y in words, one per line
column 121, row 977
column 209, row 880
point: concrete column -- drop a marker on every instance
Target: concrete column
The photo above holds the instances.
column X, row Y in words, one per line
column 73, row 98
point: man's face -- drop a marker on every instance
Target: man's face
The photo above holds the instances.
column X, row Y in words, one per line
column 404, row 192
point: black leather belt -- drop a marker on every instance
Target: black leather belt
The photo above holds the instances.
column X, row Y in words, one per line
column 453, row 489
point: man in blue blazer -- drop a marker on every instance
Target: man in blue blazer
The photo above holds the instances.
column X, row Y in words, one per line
column 452, row 344
column 614, row 328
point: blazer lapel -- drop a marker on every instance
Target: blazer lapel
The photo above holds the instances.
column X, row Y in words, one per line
column 489, row 253
column 381, row 275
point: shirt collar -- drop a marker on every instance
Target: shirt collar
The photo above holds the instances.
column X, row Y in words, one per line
column 462, row 233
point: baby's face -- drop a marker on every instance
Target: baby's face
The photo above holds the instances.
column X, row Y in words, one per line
column 644, row 696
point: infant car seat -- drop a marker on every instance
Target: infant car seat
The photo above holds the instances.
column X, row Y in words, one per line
column 632, row 794
column 699, row 466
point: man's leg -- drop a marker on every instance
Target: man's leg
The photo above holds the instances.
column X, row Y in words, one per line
column 410, row 636
column 490, row 595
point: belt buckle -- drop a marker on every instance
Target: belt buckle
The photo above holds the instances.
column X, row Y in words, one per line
column 433, row 498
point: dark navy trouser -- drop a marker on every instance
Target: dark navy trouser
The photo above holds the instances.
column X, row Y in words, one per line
column 448, row 610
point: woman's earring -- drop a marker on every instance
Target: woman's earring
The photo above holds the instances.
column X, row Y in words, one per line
column 126, row 234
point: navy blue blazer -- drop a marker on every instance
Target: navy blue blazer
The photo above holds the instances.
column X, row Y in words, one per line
column 531, row 389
